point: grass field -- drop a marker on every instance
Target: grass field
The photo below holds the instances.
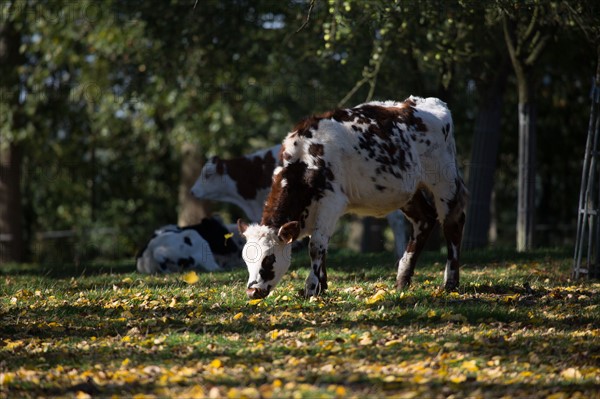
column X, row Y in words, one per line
column 518, row 327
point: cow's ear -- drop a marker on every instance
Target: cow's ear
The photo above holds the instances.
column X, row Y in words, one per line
column 242, row 226
column 289, row 232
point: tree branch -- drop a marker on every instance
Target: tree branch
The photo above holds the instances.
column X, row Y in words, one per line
column 590, row 33
column 305, row 23
column 537, row 50
column 508, row 39
column 352, row 91
column 532, row 24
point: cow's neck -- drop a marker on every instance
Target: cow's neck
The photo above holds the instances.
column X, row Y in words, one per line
column 288, row 202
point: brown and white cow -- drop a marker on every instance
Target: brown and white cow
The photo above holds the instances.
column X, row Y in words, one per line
column 371, row 160
column 244, row 181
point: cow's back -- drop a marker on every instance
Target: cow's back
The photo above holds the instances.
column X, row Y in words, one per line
column 377, row 153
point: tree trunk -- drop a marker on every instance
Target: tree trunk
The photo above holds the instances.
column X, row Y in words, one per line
column 372, row 238
column 191, row 210
column 11, row 238
column 366, row 234
column 524, row 47
column 483, row 161
column 526, row 193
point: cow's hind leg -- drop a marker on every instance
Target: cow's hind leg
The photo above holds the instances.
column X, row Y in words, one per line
column 452, row 224
column 422, row 215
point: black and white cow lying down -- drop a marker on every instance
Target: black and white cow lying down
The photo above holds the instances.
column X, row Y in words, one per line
column 371, row 160
column 205, row 246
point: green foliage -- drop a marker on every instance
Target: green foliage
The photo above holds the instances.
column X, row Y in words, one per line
column 101, row 99
column 517, row 328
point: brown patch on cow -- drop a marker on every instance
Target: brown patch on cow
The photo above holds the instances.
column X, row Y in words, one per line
column 249, row 174
column 316, row 150
column 305, row 127
column 290, row 202
column 281, row 152
column 220, row 165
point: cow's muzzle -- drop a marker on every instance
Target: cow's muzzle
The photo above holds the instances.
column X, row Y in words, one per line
column 257, row 293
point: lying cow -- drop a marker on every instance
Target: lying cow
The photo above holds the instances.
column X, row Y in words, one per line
column 246, row 182
column 370, row 160
column 204, row 246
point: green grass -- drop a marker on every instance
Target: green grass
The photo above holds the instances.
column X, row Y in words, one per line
column 102, row 330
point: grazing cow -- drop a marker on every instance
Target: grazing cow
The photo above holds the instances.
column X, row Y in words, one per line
column 202, row 246
column 246, row 182
column 370, row 160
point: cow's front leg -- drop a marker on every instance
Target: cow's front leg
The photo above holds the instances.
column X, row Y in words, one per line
column 316, row 282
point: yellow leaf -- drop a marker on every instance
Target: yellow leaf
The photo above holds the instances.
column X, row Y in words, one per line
column 125, row 362
column 127, row 280
column 393, row 342
column 457, row 379
column 254, row 301
column 420, row 379
column 217, row 363
column 5, row 379
column 378, row 296
column 190, row 277
column 234, row 393
column 571, row 373
column 227, row 237
column 82, row 395
column 238, row 316
column 274, row 334
column 469, row 365
column 340, row 391
column 195, row 392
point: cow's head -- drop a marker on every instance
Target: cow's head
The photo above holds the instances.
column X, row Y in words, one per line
column 267, row 254
column 212, row 182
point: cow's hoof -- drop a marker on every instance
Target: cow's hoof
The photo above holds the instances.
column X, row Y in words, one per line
column 312, row 289
column 402, row 284
column 450, row 286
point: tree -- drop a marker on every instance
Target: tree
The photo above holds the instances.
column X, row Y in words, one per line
column 527, row 32
column 11, row 238
column 489, row 67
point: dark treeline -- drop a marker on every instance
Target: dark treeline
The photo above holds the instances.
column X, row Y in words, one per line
column 104, row 104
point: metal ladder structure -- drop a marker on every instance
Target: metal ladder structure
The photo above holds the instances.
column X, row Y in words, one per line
column 586, row 260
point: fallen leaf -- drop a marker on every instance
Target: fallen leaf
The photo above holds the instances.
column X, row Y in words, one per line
column 377, row 297
column 571, row 373
column 238, row 316
column 190, row 277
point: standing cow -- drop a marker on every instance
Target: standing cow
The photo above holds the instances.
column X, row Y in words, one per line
column 372, row 159
column 246, row 182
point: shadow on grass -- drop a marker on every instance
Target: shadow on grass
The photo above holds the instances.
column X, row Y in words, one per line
column 341, row 260
column 67, row 270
